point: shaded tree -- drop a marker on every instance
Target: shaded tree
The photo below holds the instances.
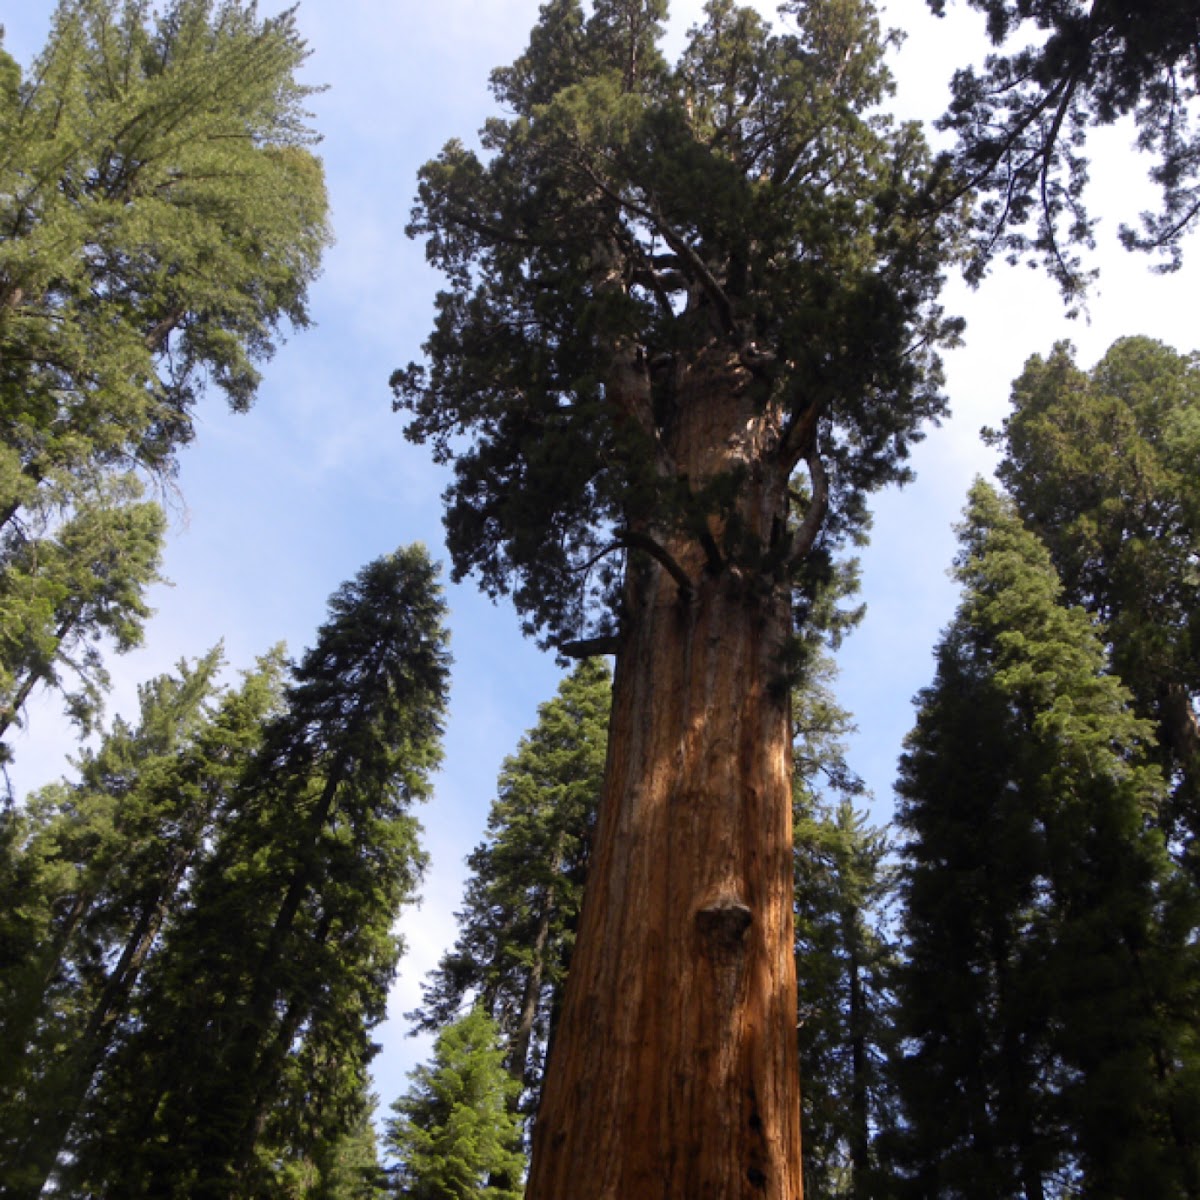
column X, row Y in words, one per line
column 671, row 288
column 92, row 872
column 1045, row 998
column 843, row 962
column 843, row 958
column 249, row 1059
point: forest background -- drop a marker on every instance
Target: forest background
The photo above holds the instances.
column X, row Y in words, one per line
column 275, row 508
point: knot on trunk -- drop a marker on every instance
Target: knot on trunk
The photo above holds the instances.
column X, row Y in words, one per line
column 722, row 924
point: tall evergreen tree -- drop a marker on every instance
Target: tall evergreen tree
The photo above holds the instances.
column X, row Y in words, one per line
column 844, row 965
column 843, row 960
column 455, row 1130
column 1102, row 464
column 522, row 899
column 671, row 288
column 91, row 873
column 161, row 218
column 253, row 1045
column 1046, row 1001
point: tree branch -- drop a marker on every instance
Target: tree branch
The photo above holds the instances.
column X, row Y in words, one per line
column 642, row 541
column 591, row 647
column 818, row 506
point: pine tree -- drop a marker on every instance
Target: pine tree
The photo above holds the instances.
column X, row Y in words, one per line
column 1045, row 998
column 455, row 1130
column 92, row 872
column 522, row 899
column 672, row 288
column 161, row 218
column 1102, row 464
column 251, row 1053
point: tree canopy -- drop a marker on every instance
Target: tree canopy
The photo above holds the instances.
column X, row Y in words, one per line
column 1062, row 68
column 637, row 234
column 161, row 218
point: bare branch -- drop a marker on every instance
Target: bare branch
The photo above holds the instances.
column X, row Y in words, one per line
column 591, row 647
column 818, row 506
column 642, row 541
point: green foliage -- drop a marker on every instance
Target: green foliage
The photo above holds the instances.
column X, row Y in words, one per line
column 843, row 959
column 90, row 873
column 1102, row 464
column 455, row 1133
column 639, row 241
column 162, row 218
column 522, row 899
column 247, row 1069
column 1064, row 67
column 63, row 593
column 1045, row 1001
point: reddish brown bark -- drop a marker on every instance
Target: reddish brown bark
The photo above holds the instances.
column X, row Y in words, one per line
column 674, row 1070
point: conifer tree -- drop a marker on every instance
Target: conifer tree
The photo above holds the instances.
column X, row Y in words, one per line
column 455, row 1130
column 1102, row 464
column 64, row 593
column 349, row 1169
column 670, row 290
column 161, row 218
column 91, row 873
column 843, row 961
column 251, row 1053
column 521, row 905
column 844, row 966
column 1045, row 1000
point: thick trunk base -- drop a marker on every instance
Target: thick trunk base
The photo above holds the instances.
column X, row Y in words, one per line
column 674, row 1071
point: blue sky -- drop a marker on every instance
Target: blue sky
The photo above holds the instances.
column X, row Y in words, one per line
column 276, row 508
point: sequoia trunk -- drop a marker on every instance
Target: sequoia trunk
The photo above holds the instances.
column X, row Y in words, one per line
column 674, row 1071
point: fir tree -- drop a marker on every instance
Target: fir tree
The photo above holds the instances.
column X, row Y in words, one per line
column 1045, row 999
column 92, row 872
column 843, row 961
column 670, row 290
column 522, row 898
column 66, row 591
column 455, row 1130
column 251, row 1054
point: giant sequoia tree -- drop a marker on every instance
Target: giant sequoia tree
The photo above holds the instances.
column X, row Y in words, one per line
column 670, row 289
